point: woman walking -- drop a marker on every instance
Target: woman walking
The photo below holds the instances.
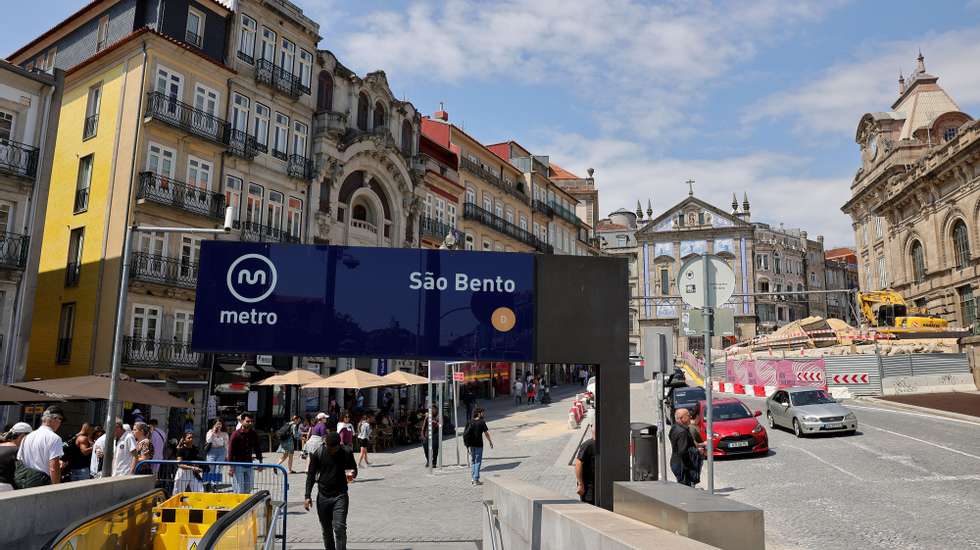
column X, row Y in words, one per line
column 317, row 433
column 346, row 431
column 363, row 437
column 189, row 476
column 289, row 436
column 216, row 442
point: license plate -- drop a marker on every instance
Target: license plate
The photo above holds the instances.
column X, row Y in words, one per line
column 834, row 425
column 739, row 444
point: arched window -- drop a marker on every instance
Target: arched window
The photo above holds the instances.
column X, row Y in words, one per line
column 324, row 92
column 379, row 115
column 360, row 212
column 961, row 244
column 918, row 262
column 407, row 135
column 362, row 112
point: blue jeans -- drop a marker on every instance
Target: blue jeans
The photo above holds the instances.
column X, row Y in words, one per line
column 80, row 474
column 476, row 461
column 216, row 454
column 243, row 480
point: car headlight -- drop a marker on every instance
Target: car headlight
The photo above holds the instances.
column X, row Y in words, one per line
column 850, row 416
column 758, row 429
column 809, row 418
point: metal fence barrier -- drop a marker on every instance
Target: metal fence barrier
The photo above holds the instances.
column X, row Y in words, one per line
column 224, row 477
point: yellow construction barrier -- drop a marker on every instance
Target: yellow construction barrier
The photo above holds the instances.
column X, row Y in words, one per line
column 126, row 526
column 181, row 521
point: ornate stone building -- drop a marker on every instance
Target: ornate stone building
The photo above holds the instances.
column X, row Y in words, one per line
column 915, row 200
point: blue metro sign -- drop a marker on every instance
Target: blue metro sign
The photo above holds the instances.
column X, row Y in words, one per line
column 343, row 301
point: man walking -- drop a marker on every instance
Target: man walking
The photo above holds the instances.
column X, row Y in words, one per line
column 682, row 445
column 518, row 391
column 473, row 439
column 242, row 446
column 40, row 453
column 328, row 470
column 585, row 469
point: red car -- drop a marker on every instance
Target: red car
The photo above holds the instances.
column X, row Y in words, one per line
column 737, row 430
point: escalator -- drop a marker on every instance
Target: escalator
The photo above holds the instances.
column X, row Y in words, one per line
column 195, row 521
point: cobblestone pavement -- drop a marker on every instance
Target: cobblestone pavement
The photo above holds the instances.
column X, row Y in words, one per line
column 396, row 504
column 905, row 480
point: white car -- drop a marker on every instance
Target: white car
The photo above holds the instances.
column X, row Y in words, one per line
column 590, row 386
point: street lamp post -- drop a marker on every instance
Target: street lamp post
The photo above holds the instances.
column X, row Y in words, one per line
column 117, row 345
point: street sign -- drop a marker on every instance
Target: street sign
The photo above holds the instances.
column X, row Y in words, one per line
column 809, row 376
column 437, row 372
column 459, row 376
column 692, row 286
column 317, row 300
column 692, row 322
column 851, row 378
column 263, row 360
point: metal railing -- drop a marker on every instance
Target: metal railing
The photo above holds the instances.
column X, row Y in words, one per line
column 169, row 192
column 491, row 177
column 329, row 123
column 266, row 72
column 193, row 39
column 438, row 230
column 246, row 58
column 257, row 232
column 90, row 127
column 242, row 144
column 81, row 200
column 151, row 353
column 14, row 248
column 565, row 214
column 298, row 166
column 73, row 272
column 489, row 219
column 154, row 268
column 186, row 117
column 542, row 207
column 18, row 159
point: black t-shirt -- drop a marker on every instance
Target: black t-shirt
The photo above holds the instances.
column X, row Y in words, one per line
column 188, row 454
column 328, row 471
column 478, row 428
column 8, row 458
column 586, row 453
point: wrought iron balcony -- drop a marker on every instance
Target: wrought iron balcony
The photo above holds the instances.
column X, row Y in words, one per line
column 298, row 166
column 81, row 200
column 256, row 232
column 170, row 192
column 90, row 127
column 566, row 214
column 153, row 353
column 242, row 144
column 489, row 219
column 542, row 207
column 193, row 39
column 18, row 159
column 246, row 58
column 329, row 123
column 64, row 350
column 73, row 272
column 186, row 117
column 154, row 268
column 13, row 250
column 266, row 72
column 492, row 177
column 438, row 230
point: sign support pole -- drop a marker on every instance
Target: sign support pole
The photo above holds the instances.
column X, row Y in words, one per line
column 456, row 413
column 429, row 414
column 658, row 386
column 709, row 303
column 442, row 392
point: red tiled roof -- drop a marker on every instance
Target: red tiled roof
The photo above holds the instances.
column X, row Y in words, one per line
column 559, row 173
column 839, row 253
column 609, row 225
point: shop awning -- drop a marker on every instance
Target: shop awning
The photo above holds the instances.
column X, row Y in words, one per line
column 96, row 386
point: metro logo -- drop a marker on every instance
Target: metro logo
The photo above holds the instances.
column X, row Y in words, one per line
column 243, row 287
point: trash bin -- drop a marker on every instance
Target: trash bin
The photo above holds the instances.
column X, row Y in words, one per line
column 643, row 451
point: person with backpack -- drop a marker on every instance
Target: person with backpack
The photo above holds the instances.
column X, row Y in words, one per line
column 473, row 436
column 289, row 436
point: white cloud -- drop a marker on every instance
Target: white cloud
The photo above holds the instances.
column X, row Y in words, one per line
column 625, row 173
column 835, row 101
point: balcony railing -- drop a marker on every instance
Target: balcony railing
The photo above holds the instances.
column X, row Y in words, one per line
column 73, row 272
column 90, row 127
column 566, row 214
column 364, row 225
column 193, row 39
column 266, row 72
column 152, row 353
column 542, row 207
column 489, row 219
column 491, row 177
column 186, row 117
column 242, row 144
column 329, row 123
column 246, row 58
column 438, row 230
column 153, row 268
column 13, row 250
column 18, row 159
column 169, row 192
column 64, row 350
column 81, row 200
column 256, row 232
column 299, row 167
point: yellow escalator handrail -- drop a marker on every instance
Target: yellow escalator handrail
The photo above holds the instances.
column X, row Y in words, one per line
column 82, row 534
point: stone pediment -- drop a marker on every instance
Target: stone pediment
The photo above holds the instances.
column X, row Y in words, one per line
column 698, row 215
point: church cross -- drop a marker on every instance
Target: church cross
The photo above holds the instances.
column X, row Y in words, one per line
column 690, row 187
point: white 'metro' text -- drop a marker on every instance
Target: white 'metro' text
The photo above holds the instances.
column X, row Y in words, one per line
column 251, row 317
column 461, row 283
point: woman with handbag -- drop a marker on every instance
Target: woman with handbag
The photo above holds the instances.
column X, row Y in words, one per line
column 216, row 443
column 189, row 476
column 288, row 441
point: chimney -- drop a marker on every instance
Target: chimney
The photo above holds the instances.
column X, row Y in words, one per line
column 441, row 114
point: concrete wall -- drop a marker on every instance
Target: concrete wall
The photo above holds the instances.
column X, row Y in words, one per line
column 929, row 383
column 42, row 512
column 533, row 518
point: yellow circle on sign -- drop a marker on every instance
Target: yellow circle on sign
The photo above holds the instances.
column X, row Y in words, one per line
column 503, row 319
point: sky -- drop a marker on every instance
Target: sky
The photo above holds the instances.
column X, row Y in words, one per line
column 760, row 97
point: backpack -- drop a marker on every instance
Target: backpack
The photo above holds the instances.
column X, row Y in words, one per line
column 285, row 431
column 470, row 436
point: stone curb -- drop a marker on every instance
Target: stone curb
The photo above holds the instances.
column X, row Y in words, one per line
column 916, row 408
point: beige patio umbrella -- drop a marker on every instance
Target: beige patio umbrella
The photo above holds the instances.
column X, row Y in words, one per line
column 352, row 379
column 10, row 396
column 295, row 377
column 402, row 378
column 96, row 386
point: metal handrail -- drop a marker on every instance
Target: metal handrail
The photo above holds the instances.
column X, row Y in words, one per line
column 494, row 526
column 170, row 192
column 186, row 117
column 19, row 159
column 270, row 540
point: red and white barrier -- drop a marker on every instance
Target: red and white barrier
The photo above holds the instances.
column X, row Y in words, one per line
column 742, row 389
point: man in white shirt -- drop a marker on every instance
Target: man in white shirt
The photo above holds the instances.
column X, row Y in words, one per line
column 98, row 449
column 122, row 456
column 518, row 391
column 42, row 449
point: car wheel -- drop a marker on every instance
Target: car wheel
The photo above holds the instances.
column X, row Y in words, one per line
column 772, row 422
column 797, row 430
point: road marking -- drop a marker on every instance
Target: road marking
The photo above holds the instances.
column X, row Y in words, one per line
column 923, row 415
column 937, row 445
column 901, row 459
column 834, row 466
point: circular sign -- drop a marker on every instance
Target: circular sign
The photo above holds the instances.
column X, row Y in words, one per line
column 695, row 293
column 255, row 284
column 503, row 319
